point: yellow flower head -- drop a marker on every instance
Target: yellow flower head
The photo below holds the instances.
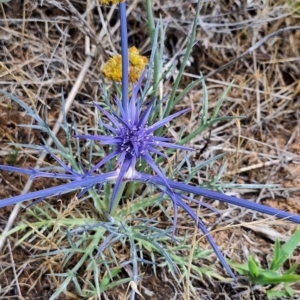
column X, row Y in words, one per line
column 110, row 1
column 113, row 68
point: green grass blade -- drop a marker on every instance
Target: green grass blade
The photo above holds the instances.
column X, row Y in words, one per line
column 286, row 251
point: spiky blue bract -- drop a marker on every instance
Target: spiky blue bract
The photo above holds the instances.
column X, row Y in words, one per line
column 183, row 187
column 174, row 189
column 74, row 185
column 79, row 181
column 132, row 138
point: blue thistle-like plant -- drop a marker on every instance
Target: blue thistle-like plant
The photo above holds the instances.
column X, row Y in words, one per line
column 132, row 138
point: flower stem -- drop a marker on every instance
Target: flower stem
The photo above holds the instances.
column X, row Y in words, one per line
column 124, row 51
column 118, row 198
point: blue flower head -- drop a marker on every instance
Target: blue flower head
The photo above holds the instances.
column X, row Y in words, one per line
column 132, row 137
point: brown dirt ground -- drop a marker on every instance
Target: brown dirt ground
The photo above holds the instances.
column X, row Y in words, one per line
column 43, row 51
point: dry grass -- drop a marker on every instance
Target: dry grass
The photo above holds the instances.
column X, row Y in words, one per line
column 46, row 44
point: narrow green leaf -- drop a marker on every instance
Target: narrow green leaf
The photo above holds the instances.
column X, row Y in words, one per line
column 287, row 249
column 253, row 268
column 266, row 278
column 242, row 269
column 291, row 270
column 289, row 290
column 220, row 101
column 276, row 294
column 276, row 255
